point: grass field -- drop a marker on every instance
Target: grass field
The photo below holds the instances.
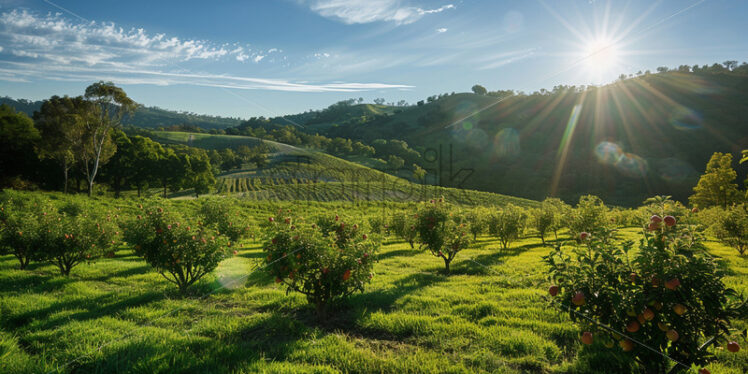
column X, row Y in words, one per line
column 490, row 315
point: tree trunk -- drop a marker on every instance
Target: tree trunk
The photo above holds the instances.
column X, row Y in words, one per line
column 65, row 169
column 446, row 265
column 411, row 244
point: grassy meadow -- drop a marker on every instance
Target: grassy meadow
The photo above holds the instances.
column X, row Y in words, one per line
column 491, row 315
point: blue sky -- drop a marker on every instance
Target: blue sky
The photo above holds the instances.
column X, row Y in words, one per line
column 268, row 58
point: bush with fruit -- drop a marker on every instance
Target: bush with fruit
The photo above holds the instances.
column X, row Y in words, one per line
column 665, row 298
column 589, row 214
column 181, row 249
column 223, row 216
column 441, row 230
column 325, row 262
column 507, row 224
column 21, row 224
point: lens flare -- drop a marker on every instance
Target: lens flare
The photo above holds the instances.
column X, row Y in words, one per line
column 685, row 119
column 675, row 171
column 506, row 143
column 628, row 164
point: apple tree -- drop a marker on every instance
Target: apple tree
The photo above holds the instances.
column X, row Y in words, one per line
column 441, row 230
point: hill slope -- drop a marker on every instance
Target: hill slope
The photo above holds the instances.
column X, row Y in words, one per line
column 624, row 142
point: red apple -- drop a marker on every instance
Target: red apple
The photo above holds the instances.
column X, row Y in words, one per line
column 271, row 219
column 672, row 284
column 704, row 371
column 655, row 219
column 672, row 335
column 364, row 237
column 236, row 252
column 346, row 275
column 669, row 220
column 695, row 210
column 679, row 309
column 584, row 235
column 553, row 290
column 733, row 347
column 632, row 326
column 578, row 299
column 648, row 314
column 587, row 338
column 626, row 345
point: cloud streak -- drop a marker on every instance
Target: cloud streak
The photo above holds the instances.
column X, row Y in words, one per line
column 54, row 48
column 367, row 11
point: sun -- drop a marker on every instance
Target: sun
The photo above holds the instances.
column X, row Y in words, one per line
column 601, row 56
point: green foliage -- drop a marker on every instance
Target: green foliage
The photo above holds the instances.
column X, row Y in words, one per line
column 441, row 231
column 477, row 220
column 223, row 215
column 180, row 248
column 668, row 295
column 717, row 185
column 507, row 224
column 589, row 214
column 731, row 227
column 403, row 225
column 548, row 218
column 324, row 262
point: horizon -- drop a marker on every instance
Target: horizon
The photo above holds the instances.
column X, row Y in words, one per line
column 330, row 51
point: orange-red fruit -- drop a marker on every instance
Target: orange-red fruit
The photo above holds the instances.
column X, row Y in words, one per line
column 278, row 280
column 584, row 235
column 670, row 221
column 672, row 284
column 679, row 309
column 346, row 275
column 578, row 299
column 733, row 347
column 655, row 219
column 626, row 345
column 663, row 327
column 672, row 335
column 704, row 371
column 553, row 290
column 641, row 319
column 653, row 226
column 695, row 210
column 271, row 219
column 648, row 314
column 587, row 338
column 632, row 326
column 236, row 252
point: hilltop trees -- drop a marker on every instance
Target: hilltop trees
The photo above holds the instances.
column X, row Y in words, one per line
column 716, row 186
column 479, row 90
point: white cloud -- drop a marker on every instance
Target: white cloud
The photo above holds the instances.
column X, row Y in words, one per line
column 441, row 30
column 366, row 11
column 53, row 48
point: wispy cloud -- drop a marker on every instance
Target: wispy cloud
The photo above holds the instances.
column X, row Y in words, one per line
column 367, row 11
column 54, row 48
column 441, row 30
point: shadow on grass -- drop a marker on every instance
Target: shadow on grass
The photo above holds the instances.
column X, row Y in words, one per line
column 469, row 267
column 398, row 252
column 92, row 308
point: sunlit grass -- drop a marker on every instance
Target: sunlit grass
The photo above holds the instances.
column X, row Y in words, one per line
column 490, row 315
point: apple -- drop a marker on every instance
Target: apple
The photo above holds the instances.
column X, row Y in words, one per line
column 553, row 290
column 584, row 235
column 704, row 371
column 672, row 335
column 733, row 346
column 695, row 210
column 346, row 275
column 670, row 221
column 648, row 314
column 679, row 309
column 655, row 219
column 662, row 326
column 587, row 338
column 364, row 237
column 641, row 319
column 271, row 219
column 672, row 284
column 653, row 226
column 337, row 218
column 632, row 326
column 236, row 252
column 578, row 299
column 626, row 345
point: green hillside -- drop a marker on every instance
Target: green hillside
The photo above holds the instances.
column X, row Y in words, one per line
column 642, row 136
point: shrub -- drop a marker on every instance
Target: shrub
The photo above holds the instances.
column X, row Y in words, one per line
column 547, row 218
column 19, row 233
column 507, row 224
column 223, row 216
column 589, row 214
column 180, row 249
column 403, row 224
column 668, row 295
column 72, row 240
column 477, row 221
column 378, row 225
column 731, row 228
column 440, row 231
column 325, row 262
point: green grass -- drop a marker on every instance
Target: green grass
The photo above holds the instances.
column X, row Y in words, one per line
column 490, row 315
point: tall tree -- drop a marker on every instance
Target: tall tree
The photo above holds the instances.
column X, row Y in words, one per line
column 716, row 186
column 61, row 132
column 479, row 90
column 120, row 167
column 109, row 104
column 17, row 136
